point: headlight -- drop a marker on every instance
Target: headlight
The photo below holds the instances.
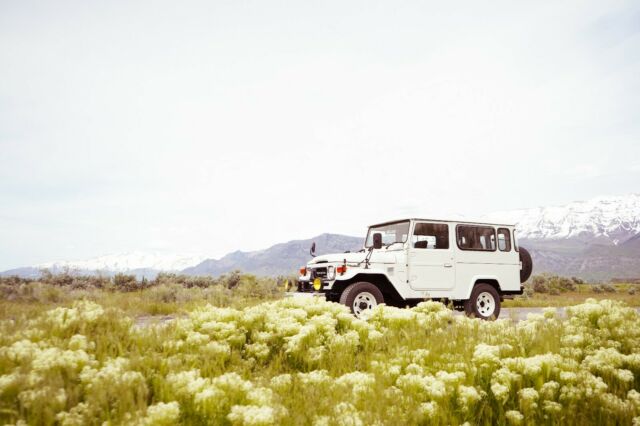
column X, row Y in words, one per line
column 331, row 273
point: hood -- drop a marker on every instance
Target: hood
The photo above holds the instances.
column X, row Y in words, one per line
column 378, row 256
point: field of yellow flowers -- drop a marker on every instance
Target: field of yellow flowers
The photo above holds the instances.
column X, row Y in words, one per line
column 299, row 362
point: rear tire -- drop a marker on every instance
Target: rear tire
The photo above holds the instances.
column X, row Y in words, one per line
column 484, row 302
column 527, row 264
column 361, row 297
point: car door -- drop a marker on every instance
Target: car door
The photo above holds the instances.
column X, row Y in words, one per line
column 431, row 257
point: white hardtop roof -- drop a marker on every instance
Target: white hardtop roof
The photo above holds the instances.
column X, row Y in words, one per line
column 466, row 222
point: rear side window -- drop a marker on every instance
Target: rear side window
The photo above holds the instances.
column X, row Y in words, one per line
column 479, row 238
column 430, row 236
column 504, row 239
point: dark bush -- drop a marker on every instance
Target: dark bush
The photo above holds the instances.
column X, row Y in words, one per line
column 85, row 282
column 232, row 280
column 14, row 280
column 124, row 282
column 563, row 284
column 539, row 284
column 61, row 279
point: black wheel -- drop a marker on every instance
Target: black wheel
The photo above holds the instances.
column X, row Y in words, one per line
column 361, row 297
column 527, row 264
column 484, row 302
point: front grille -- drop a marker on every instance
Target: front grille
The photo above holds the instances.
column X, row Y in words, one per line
column 319, row 273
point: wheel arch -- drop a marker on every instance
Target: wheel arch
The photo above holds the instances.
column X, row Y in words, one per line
column 492, row 281
column 381, row 281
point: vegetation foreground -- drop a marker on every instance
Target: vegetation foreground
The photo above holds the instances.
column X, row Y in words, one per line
column 310, row 362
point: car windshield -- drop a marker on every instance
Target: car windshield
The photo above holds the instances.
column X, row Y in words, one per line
column 391, row 233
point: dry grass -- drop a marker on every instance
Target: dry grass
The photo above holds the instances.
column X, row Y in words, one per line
column 571, row 298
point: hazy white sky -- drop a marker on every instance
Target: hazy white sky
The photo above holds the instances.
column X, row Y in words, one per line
column 220, row 125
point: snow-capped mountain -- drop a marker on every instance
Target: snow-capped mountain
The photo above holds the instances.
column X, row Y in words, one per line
column 602, row 219
column 127, row 262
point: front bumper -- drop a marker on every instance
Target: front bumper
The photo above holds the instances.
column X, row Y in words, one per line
column 304, row 286
column 304, row 294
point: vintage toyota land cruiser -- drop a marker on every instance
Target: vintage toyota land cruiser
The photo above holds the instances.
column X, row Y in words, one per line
column 472, row 265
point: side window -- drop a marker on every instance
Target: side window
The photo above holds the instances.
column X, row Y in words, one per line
column 430, row 236
column 504, row 239
column 480, row 238
column 515, row 241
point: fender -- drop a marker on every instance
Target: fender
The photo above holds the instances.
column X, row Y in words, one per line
column 492, row 279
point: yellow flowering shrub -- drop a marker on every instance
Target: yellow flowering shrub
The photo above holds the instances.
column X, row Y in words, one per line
column 311, row 362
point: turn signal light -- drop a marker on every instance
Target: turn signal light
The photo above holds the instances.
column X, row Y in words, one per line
column 303, row 271
column 341, row 269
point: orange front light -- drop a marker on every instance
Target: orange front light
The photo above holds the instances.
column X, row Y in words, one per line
column 303, row 271
column 341, row 269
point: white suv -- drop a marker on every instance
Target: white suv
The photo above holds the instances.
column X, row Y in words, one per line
column 472, row 265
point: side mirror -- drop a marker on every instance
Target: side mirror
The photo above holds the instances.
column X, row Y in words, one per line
column 377, row 240
column 312, row 252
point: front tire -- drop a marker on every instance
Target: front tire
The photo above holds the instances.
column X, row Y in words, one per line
column 484, row 302
column 361, row 298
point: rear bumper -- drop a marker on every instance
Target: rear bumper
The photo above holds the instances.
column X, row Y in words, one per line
column 510, row 294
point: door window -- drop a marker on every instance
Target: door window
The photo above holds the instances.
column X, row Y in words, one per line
column 430, row 236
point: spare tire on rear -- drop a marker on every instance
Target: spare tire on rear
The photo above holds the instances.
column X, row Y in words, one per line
column 527, row 264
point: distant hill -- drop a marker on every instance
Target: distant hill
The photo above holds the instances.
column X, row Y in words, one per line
column 280, row 259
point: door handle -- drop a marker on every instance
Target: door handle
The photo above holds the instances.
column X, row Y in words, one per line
column 448, row 265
